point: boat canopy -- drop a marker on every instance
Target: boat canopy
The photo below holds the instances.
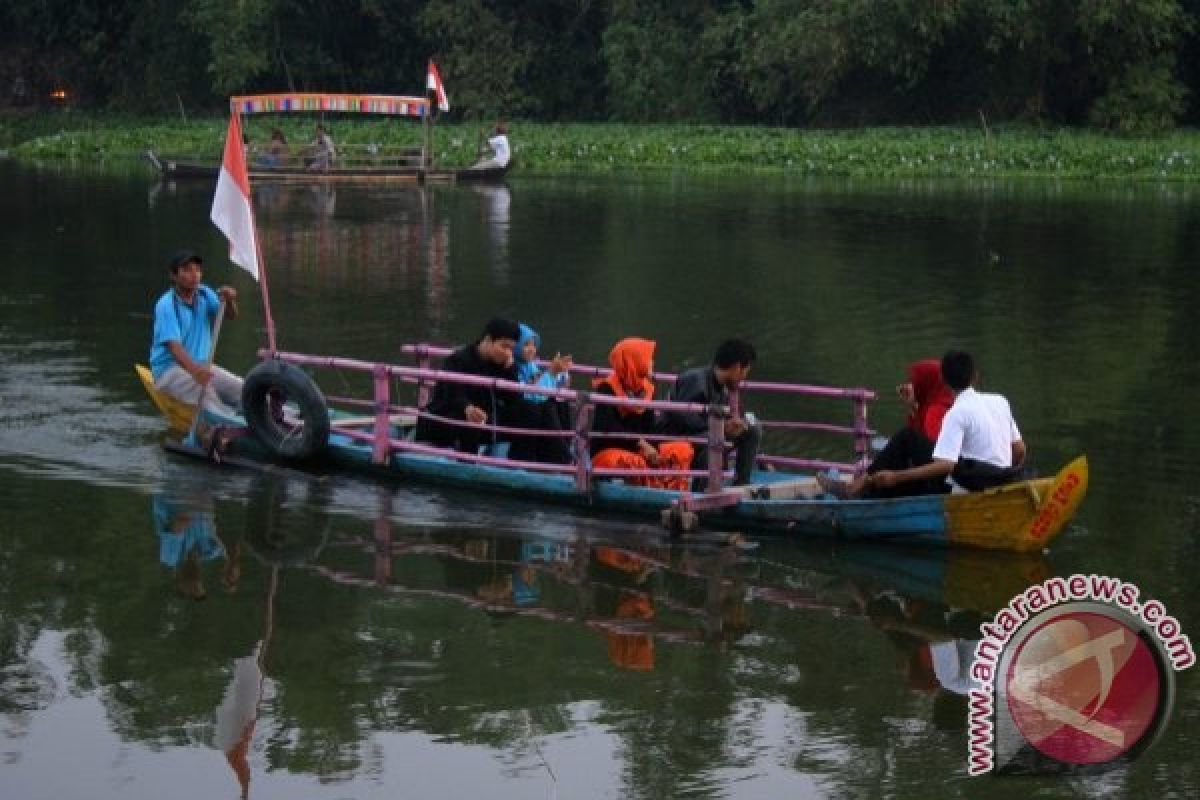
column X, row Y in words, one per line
column 301, row 102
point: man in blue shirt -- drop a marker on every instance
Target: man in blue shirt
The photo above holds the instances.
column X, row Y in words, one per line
column 183, row 337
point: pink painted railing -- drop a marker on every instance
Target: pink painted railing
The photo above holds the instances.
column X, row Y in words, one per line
column 424, row 377
column 859, row 430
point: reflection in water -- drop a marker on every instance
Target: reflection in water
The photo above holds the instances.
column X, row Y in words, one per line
column 797, row 674
column 495, row 202
column 187, row 537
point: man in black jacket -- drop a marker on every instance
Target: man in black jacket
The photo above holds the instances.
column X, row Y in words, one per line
column 711, row 385
column 489, row 357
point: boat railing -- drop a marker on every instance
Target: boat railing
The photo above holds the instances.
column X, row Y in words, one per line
column 858, row 429
column 583, row 403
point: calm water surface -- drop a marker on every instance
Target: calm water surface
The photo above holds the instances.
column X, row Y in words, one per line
column 359, row 640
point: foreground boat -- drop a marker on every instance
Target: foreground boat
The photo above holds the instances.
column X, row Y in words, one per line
column 1020, row 517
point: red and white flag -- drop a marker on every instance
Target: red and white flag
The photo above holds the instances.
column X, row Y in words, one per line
column 433, row 83
column 232, row 212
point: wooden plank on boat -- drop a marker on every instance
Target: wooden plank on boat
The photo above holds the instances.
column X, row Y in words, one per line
column 403, row 420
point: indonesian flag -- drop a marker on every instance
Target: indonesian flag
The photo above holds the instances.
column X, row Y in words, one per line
column 433, row 83
column 231, row 209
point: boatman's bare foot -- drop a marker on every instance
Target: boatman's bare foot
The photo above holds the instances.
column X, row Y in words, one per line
column 843, row 490
column 833, row 486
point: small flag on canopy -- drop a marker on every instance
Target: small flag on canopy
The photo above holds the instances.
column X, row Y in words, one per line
column 433, row 83
column 232, row 212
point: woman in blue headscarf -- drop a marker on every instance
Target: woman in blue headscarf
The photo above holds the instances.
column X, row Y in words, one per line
column 538, row 413
column 557, row 372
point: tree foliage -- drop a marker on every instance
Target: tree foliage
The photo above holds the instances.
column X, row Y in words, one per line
column 1120, row 64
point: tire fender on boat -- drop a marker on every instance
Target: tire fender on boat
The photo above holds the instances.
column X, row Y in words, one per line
column 270, row 385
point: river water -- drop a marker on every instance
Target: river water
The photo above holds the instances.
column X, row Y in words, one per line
column 168, row 628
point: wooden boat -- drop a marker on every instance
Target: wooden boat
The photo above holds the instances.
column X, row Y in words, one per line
column 1020, row 517
column 353, row 164
column 348, row 170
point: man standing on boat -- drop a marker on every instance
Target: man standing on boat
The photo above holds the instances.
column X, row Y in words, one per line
column 979, row 446
column 712, row 385
column 182, row 340
column 491, row 356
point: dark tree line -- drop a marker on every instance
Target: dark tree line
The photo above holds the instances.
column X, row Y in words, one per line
column 1121, row 64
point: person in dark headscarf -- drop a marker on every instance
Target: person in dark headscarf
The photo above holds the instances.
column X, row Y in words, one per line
column 632, row 362
column 928, row 399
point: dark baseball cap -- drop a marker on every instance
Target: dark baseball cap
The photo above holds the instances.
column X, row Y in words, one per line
column 182, row 257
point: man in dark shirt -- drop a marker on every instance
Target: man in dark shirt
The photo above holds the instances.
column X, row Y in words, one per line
column 712, row 385
column 489, row 357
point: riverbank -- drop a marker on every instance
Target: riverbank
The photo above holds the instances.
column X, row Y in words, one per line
column 960, row 152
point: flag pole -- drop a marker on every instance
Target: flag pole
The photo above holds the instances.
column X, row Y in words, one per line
column 266, row 296
column 262, row 265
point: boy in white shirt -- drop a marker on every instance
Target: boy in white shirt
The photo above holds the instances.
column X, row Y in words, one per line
column 979, row 445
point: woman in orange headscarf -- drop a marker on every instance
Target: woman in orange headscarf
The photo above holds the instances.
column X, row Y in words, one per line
column 928, row 399
column 632, row 361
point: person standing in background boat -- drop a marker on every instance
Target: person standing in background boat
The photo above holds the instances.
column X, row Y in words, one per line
column 978, row 447
column 712, row 385
column 632, row 362
column 179, row 351
column 490, row 356
column 927, row 398
column 498, row 142
column 322, row 153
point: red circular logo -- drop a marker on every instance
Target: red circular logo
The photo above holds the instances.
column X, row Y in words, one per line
column 1084, row 688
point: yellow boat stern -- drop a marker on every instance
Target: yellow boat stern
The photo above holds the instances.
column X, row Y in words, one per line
column 178, row 413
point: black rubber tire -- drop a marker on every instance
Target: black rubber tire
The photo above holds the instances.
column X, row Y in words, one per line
column 291, row 385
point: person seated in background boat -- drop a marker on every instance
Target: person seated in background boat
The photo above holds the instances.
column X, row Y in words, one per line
column 179, row 351
column 490, row 356
column 498, row 144
column 927, row 398
column 321, row 153
column 979, row 445
column 277, row 150
column 537, row 411
column 712, row 385
column 632, row 362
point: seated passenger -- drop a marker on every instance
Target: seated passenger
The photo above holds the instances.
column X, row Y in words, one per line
column 498, row 144
column 277, row 150
column 928, row 399
column 322, row 153
column 712, row 385
column 533, row 410
column 632, row 361
column 978, row 447
column 491, row 356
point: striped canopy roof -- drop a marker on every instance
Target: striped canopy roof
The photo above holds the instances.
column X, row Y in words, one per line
column 289, row 102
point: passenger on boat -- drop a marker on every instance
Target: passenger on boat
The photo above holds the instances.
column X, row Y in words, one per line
column 712, row 385
column 322, row 153
column 277, row 150
column 537, row 411
column 491, row 356
column 498, row 143
column 978, row 447
column 632, row 362
column 179, row 351
column 928, row 399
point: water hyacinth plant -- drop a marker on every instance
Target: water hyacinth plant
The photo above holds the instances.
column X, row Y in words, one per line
column 549, row 148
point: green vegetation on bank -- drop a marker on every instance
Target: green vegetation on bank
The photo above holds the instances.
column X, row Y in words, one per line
column 543, row 147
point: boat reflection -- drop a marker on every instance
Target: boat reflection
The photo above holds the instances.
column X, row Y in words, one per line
column 370, row 622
